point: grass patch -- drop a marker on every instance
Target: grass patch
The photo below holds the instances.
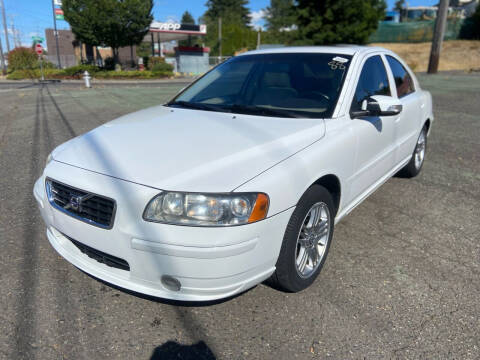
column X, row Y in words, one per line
column 455, row 55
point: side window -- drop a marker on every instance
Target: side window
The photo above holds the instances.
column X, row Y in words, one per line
column 373, row 81
column 403, row 80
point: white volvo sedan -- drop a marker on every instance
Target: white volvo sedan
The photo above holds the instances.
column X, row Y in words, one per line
column 241, row 177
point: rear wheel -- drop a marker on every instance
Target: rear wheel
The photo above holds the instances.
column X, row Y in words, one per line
column 306, row 241
column 415, row 164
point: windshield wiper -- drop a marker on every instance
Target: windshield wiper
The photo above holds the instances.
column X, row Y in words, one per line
column 260, row 110
column 195, row 105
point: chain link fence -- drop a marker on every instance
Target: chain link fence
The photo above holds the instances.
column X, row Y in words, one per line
column 215, row 60
column 414, row 31
column 65, row 60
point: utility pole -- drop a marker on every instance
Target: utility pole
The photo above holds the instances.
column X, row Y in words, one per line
column 439, row 32
column 153, row 44
column 219, row 39
column 5, row 25
column 55, row 32
column 14, row 32
column 2, row 59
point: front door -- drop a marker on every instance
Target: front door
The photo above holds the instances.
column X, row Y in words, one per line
column 374, row 135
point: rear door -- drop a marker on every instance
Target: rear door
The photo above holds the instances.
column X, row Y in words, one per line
column 374, row 135
column 407, row 124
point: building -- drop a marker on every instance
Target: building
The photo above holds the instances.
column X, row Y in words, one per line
column 185, row 59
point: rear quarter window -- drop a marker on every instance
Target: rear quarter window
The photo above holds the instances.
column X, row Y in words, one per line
column 403, row 80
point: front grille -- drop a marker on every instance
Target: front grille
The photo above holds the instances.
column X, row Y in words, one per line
column 91, row 208
column 100, row 256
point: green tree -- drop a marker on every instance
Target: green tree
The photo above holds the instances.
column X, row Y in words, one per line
column 187, row 18
column 22, row 58
column 400, row 6
column 471, row 26
column 229, row 11
column 114, row 23
column 236, row 31
column 280, row 15
column 338, row 21
column 235, row 37
column 475, row 20
column 280, row 21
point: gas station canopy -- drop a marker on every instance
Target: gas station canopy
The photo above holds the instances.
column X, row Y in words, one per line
column 170, row 31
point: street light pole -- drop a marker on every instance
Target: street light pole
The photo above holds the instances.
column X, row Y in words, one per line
column 5, row 25
column 438, row 34
column 55, row 33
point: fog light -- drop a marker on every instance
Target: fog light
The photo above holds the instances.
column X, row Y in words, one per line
column 171, row 283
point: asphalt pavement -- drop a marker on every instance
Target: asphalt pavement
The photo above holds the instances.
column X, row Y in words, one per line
column 401, row 280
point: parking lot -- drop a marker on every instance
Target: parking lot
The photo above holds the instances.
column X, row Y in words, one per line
column 402, row 279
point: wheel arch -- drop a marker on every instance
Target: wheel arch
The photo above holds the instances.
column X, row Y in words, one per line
column 427, row 124
column 332, row 183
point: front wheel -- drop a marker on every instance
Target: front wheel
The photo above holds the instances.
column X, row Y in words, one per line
column 306, row 241
column 415, row 164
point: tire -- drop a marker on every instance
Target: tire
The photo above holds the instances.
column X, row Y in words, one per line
column 415, row 164
column 298, row 237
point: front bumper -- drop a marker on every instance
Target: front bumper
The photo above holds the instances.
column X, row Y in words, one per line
column 210, row 263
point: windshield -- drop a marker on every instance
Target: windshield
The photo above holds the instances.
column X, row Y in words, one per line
column 284, row 85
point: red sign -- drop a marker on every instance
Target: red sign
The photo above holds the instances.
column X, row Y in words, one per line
column 39, row 49
column 58, row 12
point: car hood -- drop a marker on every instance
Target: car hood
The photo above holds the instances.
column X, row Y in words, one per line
column 189, row 150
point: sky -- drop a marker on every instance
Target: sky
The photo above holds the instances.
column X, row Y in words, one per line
column 32, row 17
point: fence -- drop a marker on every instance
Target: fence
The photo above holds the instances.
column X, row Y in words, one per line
column 215, row 60
column 65, row 60
column 414, row 31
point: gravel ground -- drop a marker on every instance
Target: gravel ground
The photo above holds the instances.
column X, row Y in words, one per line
column 401, row 280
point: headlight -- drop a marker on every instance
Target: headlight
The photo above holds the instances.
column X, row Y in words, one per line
column 207, row 209
column 49, row 158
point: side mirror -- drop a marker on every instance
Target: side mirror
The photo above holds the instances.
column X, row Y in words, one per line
column 378, row 105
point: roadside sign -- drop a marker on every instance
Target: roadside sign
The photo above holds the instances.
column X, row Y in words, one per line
column 59, row 14
column 57, row 2
column 39, row 49
column 38, row 39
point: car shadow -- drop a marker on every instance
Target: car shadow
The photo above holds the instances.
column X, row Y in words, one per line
column 173, row 350
column 376, row 121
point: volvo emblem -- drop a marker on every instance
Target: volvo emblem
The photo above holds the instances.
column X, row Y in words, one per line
column 76, row 203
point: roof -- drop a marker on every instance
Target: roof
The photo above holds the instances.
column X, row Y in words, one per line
column 336, row 49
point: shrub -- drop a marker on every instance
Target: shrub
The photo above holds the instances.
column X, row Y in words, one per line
column 47, row 64
column 162, row 67
column 98, row 74
column 22, row 58
column 35, row 74
column 78, row 70
column 131, row 75
column 146, row 61
column 154, row 60
column 109, row 63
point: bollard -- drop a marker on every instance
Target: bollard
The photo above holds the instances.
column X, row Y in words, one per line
column 86, row 77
